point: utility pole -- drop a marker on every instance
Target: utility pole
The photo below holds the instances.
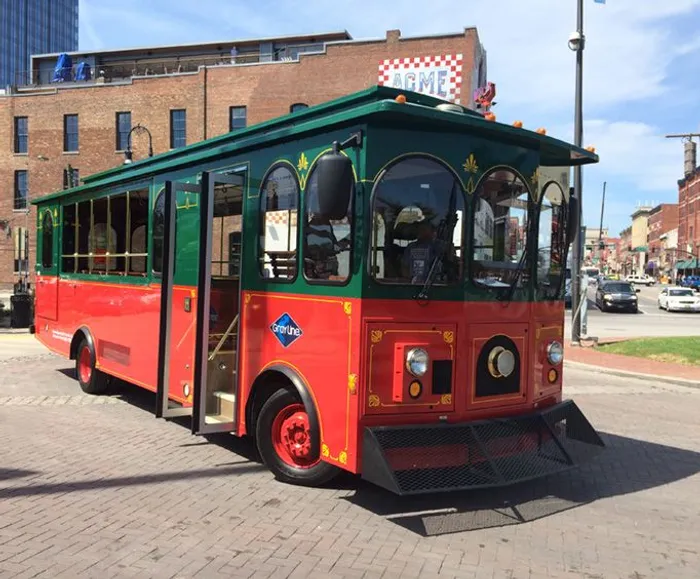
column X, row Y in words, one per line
column 576, row 43
column 600, row 231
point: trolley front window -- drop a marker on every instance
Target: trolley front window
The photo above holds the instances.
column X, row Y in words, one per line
column 414, row 205
column 551, row 241
column 501, row 220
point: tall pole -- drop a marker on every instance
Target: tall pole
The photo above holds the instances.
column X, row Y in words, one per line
column 600, row 231
column 576, row 289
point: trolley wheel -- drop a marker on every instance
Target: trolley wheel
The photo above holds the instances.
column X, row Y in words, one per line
column 283, row 436
column 91, row 380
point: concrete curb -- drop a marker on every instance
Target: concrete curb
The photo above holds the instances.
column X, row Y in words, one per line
column 626, row 374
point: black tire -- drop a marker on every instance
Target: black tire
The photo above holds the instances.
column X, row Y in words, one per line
column 91, row 380
column 315, row 474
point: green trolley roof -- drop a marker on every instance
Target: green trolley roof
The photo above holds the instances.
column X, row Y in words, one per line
column 418, row 111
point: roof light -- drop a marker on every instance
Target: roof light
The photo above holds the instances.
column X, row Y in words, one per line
column 541, row 131
column 590, row 149
column 518, row 124
column 400, row 99
column 490, row 117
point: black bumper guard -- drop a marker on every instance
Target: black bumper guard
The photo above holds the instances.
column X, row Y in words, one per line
column 486, row 453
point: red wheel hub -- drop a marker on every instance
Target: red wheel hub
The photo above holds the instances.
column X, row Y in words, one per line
column 84, row 365
column 291, row 437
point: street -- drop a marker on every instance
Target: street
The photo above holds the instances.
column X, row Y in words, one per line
column 649, row 321
column 97, row 487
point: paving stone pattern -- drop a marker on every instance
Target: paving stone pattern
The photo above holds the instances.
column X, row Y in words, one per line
column 97, row 487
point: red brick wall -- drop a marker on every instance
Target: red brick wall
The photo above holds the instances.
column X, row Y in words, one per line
column 689, row 214
column 267, row 90
column 662, row 219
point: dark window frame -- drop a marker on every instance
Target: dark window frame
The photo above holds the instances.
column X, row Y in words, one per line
column 260, row 255
column 25, row 193
column 465, row 225
column 21, row 137
column 122, row 136
column 304, row 229
column 66, row 180
column 233, row 108
column 295, row 107
column 175, row 134
column 68, row 134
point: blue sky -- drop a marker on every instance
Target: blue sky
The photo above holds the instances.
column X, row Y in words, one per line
column 641, row 67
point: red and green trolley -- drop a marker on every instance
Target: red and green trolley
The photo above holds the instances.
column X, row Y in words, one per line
column 374, row 284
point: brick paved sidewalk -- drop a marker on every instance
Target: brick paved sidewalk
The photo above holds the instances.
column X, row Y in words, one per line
column 588, row 354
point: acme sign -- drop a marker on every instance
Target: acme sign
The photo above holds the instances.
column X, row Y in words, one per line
column 438, row 76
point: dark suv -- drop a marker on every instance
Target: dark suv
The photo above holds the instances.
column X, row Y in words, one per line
column 616, row 295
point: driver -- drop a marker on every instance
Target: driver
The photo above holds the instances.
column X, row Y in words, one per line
column 419, row 255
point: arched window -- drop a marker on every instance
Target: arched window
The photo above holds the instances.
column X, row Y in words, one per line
column 298, row 107
column 279, row 209
column 551, row 240
column 501, row 218
column 418, row 205
column 47, row 241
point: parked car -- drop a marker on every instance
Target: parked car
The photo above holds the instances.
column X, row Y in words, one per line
column 678, row 299
column 691, row 281
column 616, row 295
column 640, row 280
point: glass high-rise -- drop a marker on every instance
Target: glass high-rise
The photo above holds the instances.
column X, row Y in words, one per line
column 34, row 27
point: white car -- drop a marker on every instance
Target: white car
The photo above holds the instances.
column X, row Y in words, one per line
column 640, row 279
column 678, row 299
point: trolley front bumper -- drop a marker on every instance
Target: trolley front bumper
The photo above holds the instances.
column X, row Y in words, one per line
column 488, row 453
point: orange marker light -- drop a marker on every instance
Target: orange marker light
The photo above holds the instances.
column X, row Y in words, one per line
column 490, row 117
column 541, row 131
column 552, row 376
column 518, row 124
column 414, row 389
column 590, row 149
column 401, row 99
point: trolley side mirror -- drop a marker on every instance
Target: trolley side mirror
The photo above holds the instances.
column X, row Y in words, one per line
column 573, row 219
column 335, row 184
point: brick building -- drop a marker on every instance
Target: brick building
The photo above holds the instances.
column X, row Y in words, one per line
column 51, row 133
column 689, row 217
column 662, row 219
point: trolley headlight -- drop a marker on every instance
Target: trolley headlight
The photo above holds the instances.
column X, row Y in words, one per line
column 555, row 353
column 417, row 361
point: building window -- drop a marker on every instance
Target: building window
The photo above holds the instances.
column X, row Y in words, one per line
column 178, row 128
column 21, row 259
column 123, row 126
column 279, row 203
column 70, row 133
column 237, row 118
column 71, row 177
column 327, row 242
column 21, row 135
column 298, row 107
column 21, row 189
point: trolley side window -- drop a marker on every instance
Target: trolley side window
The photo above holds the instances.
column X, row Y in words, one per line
column 414, row 203
column 327, row 242
column 158, row 232
column 279, row 208
column 501, row 220
column 551, row 240
column 47, row 241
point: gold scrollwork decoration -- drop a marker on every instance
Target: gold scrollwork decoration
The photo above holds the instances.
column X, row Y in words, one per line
column 325, row 451
column 303, row 163
column 448, row 336
column 377, row 336
column 374, row 401
column 446, row 399
column 343, row 457
column 347, row 307
column 470, row 165
column 535, row 178
column 352, row 383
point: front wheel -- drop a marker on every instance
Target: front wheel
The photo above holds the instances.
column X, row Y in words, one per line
column 91, row 380
column 283, row 434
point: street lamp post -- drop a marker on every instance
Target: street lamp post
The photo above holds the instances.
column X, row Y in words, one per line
column 576, row 43
column 128, row 154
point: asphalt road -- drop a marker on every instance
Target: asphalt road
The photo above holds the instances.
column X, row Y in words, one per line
column 95, row 486
column 649, row 321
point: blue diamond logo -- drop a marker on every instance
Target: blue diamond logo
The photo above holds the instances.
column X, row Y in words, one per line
column 286, row 330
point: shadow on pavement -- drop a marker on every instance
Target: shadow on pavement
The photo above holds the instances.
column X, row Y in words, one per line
column 626, row 466
column 10, row 473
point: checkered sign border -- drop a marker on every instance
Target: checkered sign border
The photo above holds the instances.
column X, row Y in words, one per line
column 453, row 62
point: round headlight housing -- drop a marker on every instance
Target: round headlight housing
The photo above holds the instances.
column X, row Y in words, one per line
column 417, row 361
column 555, row 353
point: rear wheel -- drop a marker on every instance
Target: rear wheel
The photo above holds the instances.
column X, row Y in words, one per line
column 283, row 434
column 91, row 380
